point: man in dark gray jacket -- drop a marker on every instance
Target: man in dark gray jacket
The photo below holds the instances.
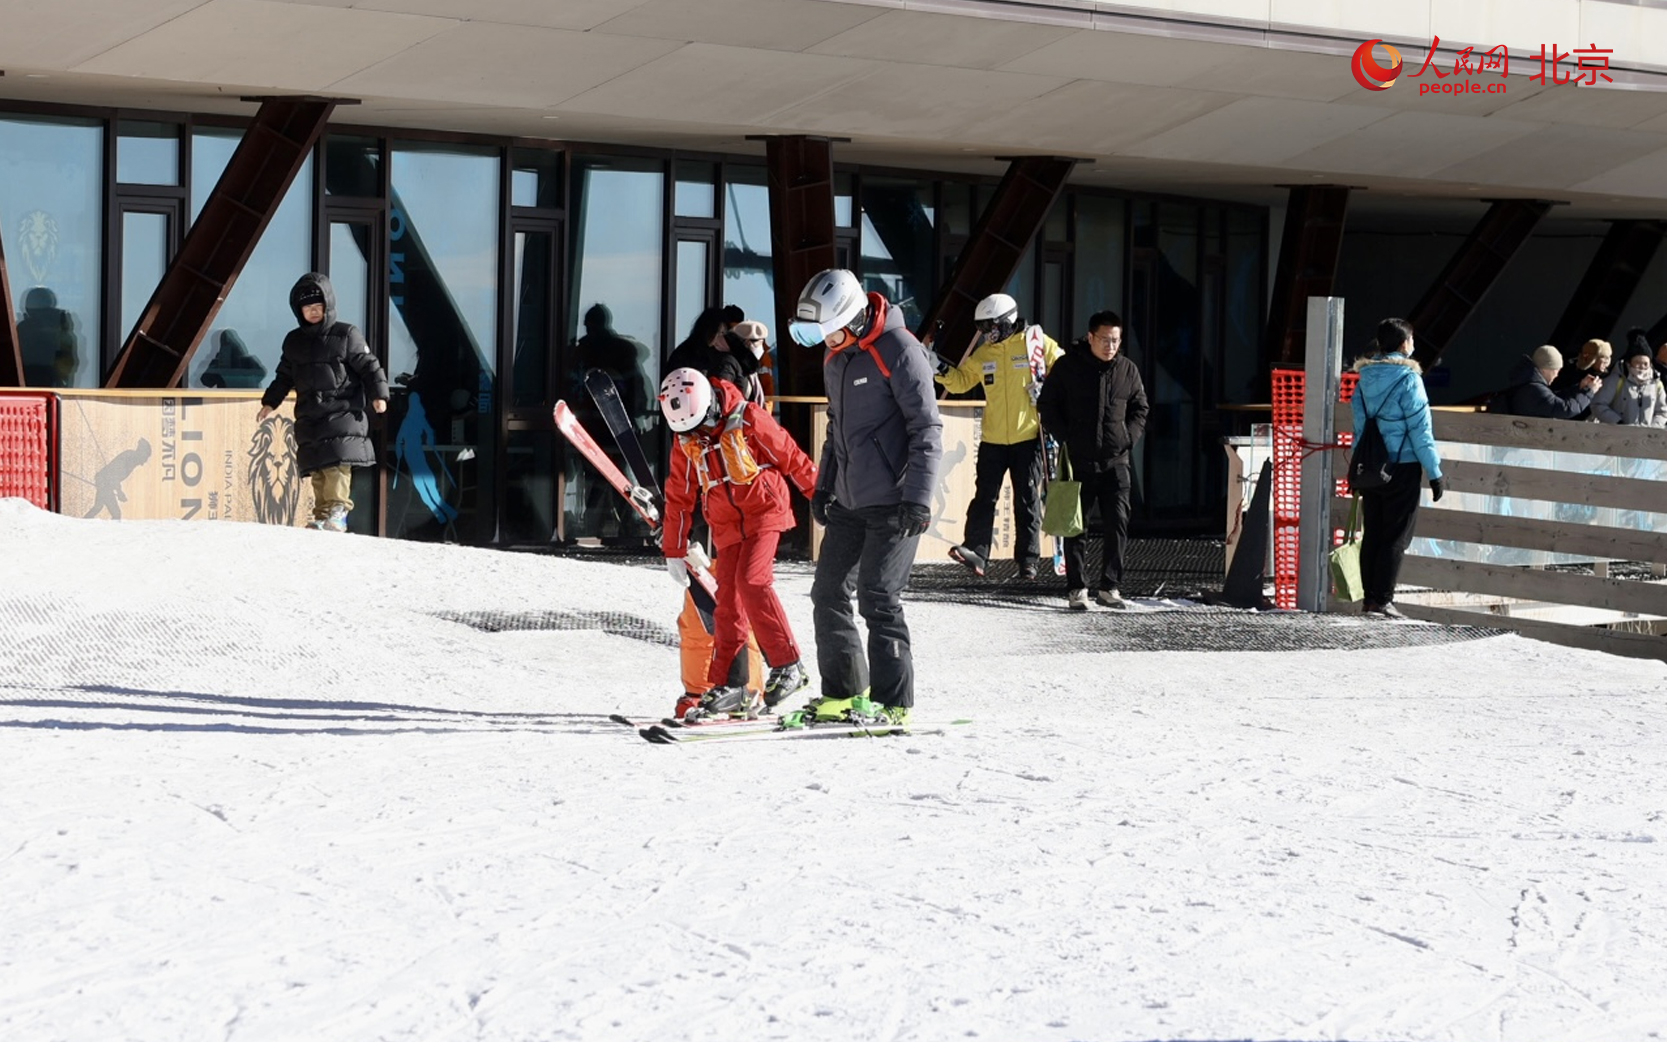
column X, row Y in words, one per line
column 878, row 471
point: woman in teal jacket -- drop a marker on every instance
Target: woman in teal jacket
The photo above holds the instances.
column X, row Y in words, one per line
column 1391, row 389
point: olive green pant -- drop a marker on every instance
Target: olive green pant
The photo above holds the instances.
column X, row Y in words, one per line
column 331, row 486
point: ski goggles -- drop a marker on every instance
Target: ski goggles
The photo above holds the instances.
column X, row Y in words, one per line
column 811, row 334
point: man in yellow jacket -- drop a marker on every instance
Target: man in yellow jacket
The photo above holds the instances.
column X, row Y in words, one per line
column 1011, row 441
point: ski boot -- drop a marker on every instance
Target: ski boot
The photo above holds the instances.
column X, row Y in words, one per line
column 689, row 701
column 873, row 714
column 822, row 710
column 971, row 557
column 725, row 700
column 784, row 682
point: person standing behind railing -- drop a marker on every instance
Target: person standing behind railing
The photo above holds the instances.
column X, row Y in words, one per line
column 1391, row 390
column 1633, row 393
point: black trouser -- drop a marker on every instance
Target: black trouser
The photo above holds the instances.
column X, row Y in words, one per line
column 1110, row 489
column 1387, row 517
column 864, row 551
column 1023, row 461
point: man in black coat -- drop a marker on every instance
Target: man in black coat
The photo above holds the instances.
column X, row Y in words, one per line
column 333, row 373
column 1095, row 403
column 1529, row 392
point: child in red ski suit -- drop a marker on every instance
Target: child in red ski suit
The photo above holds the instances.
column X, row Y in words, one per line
column 738, row 460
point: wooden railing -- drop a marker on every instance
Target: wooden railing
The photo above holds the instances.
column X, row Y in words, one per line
column 1481, row 593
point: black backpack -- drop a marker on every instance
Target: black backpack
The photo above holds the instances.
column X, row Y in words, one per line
column 1369, row 465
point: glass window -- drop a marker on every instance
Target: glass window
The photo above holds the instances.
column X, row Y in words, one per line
column 689, row 299
column 350, row 267
column 1242, row 359
column 1054, row 227
column 749, row 273
column 1052, row 313
column 352, row 166
column 147, row 153
column 243, row 346
column 52, row 221
column 1174, row 386
column 530, row 488
column 144, row 260
column 535, row 178
column 1098, row 260
column 844, row 214
column 534, row 270
column 898, row 251
column 696, row 193
column 443, row 210
column 617, row 270
column 957, row 207
column 1022, row 286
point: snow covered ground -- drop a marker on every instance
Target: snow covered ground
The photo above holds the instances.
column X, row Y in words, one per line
column 256, row 785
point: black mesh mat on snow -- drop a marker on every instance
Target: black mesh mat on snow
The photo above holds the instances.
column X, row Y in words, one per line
column 617, row 623
column 1178, row 569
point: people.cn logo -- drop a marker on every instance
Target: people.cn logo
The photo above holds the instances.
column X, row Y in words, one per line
column 1368, row 73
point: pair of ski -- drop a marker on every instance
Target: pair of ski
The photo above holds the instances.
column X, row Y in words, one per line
column 764, row 728
column 1037, row 344
column 644, row 493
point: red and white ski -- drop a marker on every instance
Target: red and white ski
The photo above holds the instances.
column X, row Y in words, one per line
column 1037, row 344
column 641, row 500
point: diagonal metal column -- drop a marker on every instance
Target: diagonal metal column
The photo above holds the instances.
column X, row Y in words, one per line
column 1609, row 283
column 1471, row 273
column 11, row 351
column 993, row 253
column 1308, row 252
column 158, row 350
column 802, row 243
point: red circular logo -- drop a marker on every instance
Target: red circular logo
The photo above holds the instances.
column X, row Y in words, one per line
column 1368, row 73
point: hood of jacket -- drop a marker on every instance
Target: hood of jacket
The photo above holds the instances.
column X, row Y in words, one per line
column 1525, row 372
column 313, row 279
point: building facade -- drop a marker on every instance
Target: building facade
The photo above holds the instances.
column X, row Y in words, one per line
column 513, row 192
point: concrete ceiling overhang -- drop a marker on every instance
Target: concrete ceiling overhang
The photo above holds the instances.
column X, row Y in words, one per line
column 1225, row 107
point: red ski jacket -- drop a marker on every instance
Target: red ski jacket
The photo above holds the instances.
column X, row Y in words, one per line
column 739, row 470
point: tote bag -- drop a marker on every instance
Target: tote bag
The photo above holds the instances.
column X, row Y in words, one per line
column 1345, row 561
column 1062, row 514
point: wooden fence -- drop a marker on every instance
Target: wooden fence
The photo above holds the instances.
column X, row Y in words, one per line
column 1471, row 591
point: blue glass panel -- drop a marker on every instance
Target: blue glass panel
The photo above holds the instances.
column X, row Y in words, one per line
column 617, row 301
column 749, row 275
column 244, row 344
column 443, row 216
column 52, row 221
column 898, row 251
column 147, row 153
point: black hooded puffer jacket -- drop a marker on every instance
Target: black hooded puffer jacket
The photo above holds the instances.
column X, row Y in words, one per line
column 334, row 375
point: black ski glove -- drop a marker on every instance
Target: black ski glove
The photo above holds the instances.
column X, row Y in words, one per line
column 819, row 506
column 1436, row 490
column 913, row 519
column 941, row 364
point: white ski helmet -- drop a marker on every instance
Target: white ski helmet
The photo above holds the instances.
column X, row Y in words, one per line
column 995, row 316
column 832, row 300
column 685, row 399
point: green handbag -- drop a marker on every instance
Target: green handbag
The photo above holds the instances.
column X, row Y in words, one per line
column 1345, row 561
column 1062, row 514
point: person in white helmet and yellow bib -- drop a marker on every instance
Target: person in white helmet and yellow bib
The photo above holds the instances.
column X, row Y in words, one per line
column 1011, row 442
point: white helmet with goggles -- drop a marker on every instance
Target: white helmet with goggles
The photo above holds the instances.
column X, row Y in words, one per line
column 995, row 316
column 832, row 300
column 685, row 399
